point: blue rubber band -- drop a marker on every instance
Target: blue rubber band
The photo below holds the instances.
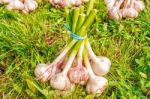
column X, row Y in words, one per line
column 73, row 35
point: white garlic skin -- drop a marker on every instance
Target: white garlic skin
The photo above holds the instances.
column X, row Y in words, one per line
column 139, row 5
column 60, row 82
column 40, row 72
column 102, row 67
column 109, row 3
column 96, row 85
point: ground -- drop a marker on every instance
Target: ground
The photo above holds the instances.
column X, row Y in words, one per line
column 29, row 39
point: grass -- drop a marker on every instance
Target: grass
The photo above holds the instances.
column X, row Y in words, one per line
column 26, row 40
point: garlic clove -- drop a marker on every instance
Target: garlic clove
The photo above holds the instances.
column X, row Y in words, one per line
column 96, row 85
column 60, row 81
column 102, row 67
column 78, row 75
column 109, row 3
column 139, row 5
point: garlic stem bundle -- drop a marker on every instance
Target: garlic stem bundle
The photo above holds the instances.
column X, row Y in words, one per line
column 73, row 62
column 125, row 8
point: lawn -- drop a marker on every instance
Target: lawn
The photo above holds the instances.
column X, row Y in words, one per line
column 29, row 39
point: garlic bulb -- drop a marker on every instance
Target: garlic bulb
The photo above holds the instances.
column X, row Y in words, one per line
column 114, row 12
column 129, row 11
column 41, row 72
column 109, row 3
column 139, row 5
column 30, row 5
column 100, row 64
column 96, row 85
column 15, row 5
column 44, row 72
column 78, row 75
column 102, row 67
column 60, row 81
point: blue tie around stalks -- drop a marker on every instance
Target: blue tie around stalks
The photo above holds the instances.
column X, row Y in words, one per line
column 74, row 35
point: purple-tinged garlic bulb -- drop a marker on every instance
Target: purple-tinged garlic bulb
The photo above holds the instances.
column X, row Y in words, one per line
column 129, row 11
column 114, row 12
column 78, row 75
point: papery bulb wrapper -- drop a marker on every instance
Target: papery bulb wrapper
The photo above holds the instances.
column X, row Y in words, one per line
column 78, row 75
column 96, row 85
column 101, row 67
column 60, row 81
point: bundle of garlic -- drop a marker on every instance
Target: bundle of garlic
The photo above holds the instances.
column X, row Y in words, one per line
column 25, row 6
column 67, row 3
column 77, row 63
column 124, row 8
